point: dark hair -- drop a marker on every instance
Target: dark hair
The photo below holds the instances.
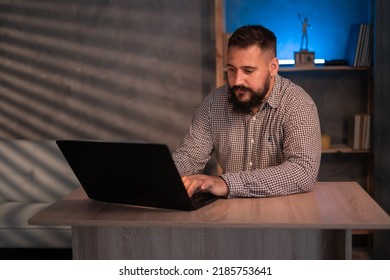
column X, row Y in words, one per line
column 250, row 35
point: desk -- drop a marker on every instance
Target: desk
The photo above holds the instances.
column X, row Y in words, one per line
column 314, row 225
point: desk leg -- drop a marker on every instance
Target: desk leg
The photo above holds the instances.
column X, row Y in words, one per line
column 346, row 245
column 209, row 243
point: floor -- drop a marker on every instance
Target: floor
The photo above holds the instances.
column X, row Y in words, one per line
column 35, row 254
column 359, row 253
column 361, row 247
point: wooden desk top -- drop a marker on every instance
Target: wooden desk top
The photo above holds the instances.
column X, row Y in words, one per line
column 330, row 205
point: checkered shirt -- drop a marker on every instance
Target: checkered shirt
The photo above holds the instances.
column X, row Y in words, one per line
column 274, row 152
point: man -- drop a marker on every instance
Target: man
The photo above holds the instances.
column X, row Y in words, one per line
column 263, row 128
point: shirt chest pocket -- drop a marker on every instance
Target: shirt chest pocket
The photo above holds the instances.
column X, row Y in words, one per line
column 269, row 151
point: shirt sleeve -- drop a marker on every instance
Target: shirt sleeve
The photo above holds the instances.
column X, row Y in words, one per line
column 196, row 148
column 299, row 169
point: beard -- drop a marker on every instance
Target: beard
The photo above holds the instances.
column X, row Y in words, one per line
column 256, row 97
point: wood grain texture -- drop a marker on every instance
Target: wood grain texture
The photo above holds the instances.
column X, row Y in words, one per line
column 330, row 205
column 208, row 243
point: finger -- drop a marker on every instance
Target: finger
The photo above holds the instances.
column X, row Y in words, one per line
column 193, row 187
column 187, row 180
column 184, row 179
column 190, row 185
column 205, row 185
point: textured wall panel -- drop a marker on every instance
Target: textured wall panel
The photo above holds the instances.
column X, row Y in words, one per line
column 103, row 69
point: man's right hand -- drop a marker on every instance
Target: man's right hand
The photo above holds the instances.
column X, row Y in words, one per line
column 206, row 183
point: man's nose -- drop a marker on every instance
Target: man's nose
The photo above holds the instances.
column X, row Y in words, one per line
column 238, row 79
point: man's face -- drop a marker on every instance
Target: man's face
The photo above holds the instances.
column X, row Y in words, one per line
column 250, row 76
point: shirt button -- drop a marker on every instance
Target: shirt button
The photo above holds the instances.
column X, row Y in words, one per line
column 254, row 118
column 252, row 141
column 250, row 164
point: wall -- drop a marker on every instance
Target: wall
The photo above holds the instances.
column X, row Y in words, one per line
column 96, row 69
column 103, row 69
column 382, row 122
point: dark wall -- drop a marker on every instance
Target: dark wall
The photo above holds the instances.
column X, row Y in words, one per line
column 382, row 122
column 103, row 69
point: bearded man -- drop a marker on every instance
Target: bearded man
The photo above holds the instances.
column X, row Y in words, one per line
column 263, row 128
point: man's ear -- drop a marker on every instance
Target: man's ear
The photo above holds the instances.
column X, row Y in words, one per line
column 274, row 66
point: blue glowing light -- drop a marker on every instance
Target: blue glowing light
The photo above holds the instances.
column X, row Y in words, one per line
column 292, row 61
column 329, row 21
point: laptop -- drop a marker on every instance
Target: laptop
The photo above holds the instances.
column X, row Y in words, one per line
column 140, row 174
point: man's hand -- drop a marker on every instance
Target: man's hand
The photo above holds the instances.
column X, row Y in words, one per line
column 212, row 184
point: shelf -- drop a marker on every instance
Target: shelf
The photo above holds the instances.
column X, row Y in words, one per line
column 362, row 232
column 343, row 149
column 284, row 68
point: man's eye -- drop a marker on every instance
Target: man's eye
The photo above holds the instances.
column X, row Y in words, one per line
column 231, row 70
column 248, row 71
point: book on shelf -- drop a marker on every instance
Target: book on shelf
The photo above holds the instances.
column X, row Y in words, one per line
column 360, row 131
column 359, row 47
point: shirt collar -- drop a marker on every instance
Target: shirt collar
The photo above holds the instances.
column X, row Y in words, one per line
column 274, row 97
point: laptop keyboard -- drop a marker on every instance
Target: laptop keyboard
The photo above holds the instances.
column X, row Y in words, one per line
column 202, row 198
